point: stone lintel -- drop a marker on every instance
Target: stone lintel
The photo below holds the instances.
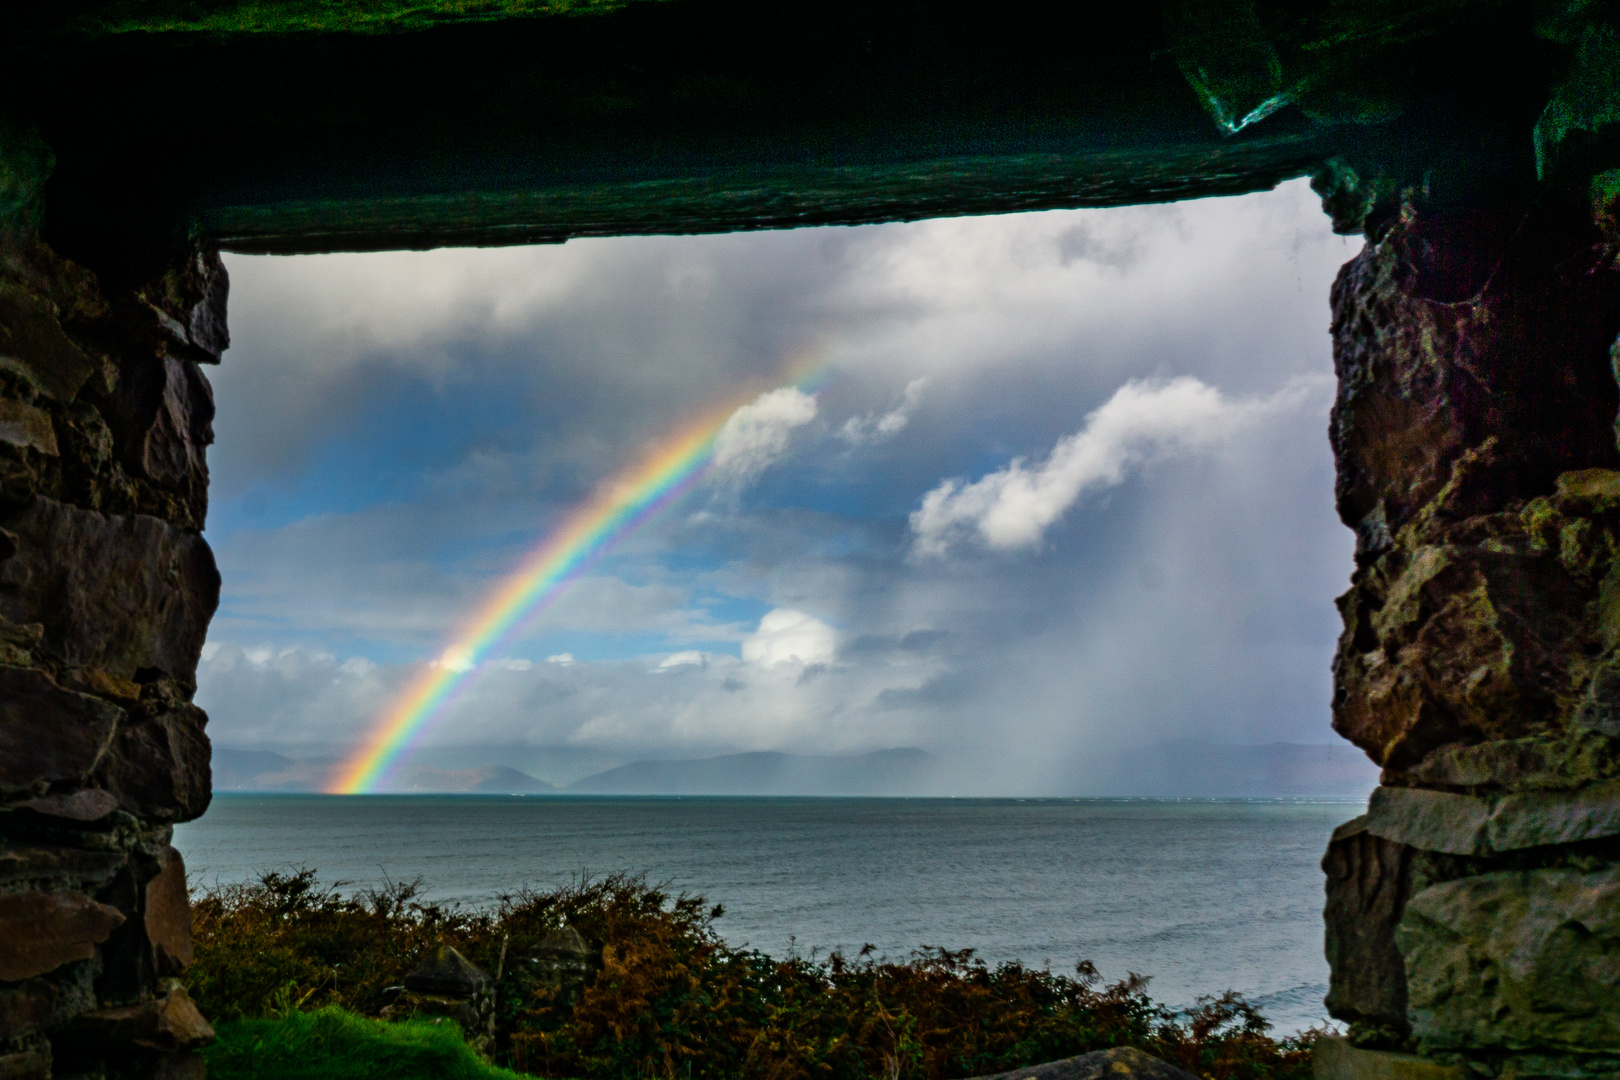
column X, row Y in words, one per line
column 1337, row 1059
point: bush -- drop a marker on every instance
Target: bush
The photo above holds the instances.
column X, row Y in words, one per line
column 671, row 998
column 330, row 1044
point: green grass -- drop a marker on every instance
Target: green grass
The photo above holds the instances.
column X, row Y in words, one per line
column 331, row 1044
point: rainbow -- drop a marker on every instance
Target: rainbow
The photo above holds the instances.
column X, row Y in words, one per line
column 618, row 506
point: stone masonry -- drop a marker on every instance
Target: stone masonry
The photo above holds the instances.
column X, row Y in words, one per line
column 106, row 590
column 1473, row 913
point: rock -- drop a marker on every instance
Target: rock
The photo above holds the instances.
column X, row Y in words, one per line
column 1484, row 825
column 1515, row 960
column 167, row 1025
column 86, row 805
column 1472, row 354
column 446, row 973
column 126, row 595
column 168, row 916
column 564, row 958
column 86, row 870
column 41, row 931
column 1368, row 883
column 1430, row 820
column 26, row 427
column 158, row 767
column 1569, row 760
column 1121, row 1063
column 162, row 423
column 33, row 345
column 1337, row 1059
column 30, row 1063
column 49, row 735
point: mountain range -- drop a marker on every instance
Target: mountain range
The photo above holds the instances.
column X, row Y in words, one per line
column 1185, row 769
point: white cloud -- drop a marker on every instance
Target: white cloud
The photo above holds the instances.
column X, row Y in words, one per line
column 563, row 658
column 757, row 433
column 786, row 636
column 1144, row 420
column 455, row 658
column 681, row 659
column 871, row 428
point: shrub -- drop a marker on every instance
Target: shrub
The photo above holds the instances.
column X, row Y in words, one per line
column 671, row 998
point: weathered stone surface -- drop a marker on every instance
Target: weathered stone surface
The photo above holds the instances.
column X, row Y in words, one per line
column 1337, row 1059
column 168, row 916
column 1568, row 760
column 1368, row 882
column 190, row 301
column 168, row 1024
column 87, row 804
column 27, row 427
column 1429, row 820
column 1515, row 960
column 31, row 1063
column 40, row 931
column 1473, row 357
column 1484, row 825
column 49, row 735
column 1121, row 1063
column 158, row 767
column 33, row 344
column 87, row 870
column 448, row 974
column 122, row 594
column 162, row 422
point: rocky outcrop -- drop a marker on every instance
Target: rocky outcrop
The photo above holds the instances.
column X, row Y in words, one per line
column 1469, row 910
column 106, row 590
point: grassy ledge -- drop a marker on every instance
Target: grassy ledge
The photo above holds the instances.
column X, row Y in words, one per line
column 331, row 1044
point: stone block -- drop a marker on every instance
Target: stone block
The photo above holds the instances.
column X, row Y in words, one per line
column 169, row 1024
column 125, row 595
column 158, row 767
column 1484, row 825
column 162, row 421
column 446, row 973
column 1337, row 1059
column 33, row 345
column 85, row 805
column 41, row 931
column 1515, row 960
column 82, row 869
column 49, row 735
column 1120, row 1063
column 167, row 914
column 1429, row 820
column 26, row 427
column 33, row 1062
column 1368, row 882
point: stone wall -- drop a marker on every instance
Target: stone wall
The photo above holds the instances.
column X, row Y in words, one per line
column 106, row 590
column 1474, row 912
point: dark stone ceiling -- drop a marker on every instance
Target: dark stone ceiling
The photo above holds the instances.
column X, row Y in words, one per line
column 284, row 132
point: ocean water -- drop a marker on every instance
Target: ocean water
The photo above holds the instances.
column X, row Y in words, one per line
column 1201, row 895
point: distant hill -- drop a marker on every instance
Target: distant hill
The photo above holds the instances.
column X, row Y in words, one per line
column 882, row 772
column 262, row 770
column 1193, row 769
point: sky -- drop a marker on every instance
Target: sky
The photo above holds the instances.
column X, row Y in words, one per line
column 1057, row 485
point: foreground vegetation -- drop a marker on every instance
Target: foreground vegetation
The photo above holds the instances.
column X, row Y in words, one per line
column 330, row 1044
column 670, row 998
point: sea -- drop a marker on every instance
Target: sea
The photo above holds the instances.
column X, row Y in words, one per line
column 1202, row 896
